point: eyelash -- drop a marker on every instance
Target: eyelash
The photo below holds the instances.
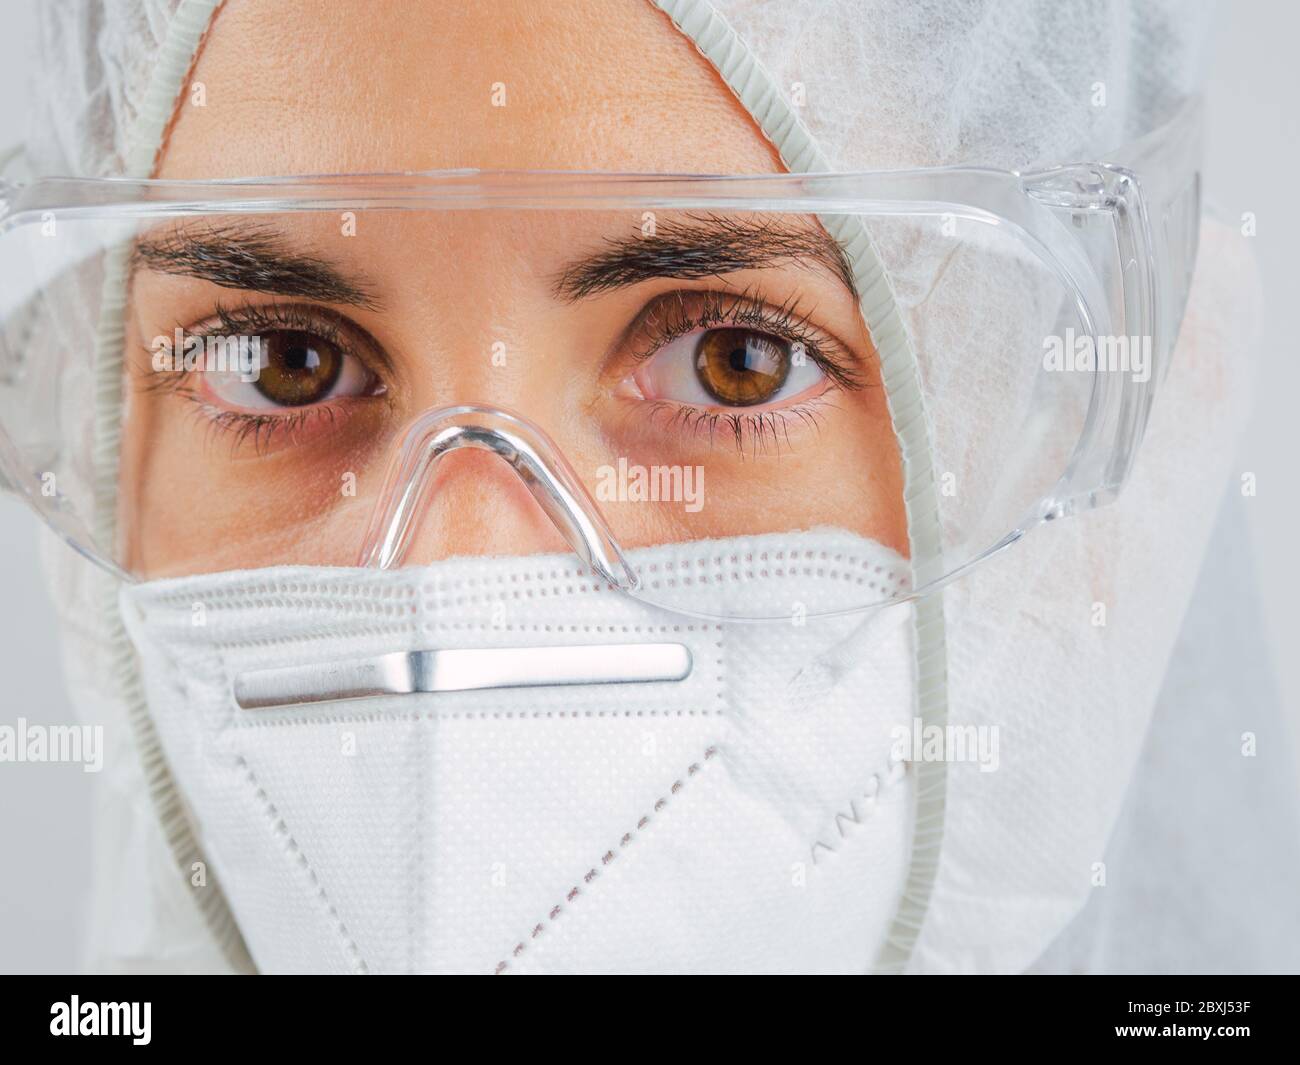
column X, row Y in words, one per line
column 671, row 316
column 748, row 311
column 250, row 319
column 692, row 309
column 253, row 318
column 752, row 430
column 244, row 426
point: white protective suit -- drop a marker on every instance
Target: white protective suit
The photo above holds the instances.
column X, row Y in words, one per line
column 1015, row 878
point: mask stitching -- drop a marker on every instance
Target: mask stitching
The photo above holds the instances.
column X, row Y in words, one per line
column 474, row 715
column 181, row 632
column 877, row 783
column 847, row 575
column 379, row 612
column 325, row 590
column 291, row 847
column 374, row 585
column 607, row 858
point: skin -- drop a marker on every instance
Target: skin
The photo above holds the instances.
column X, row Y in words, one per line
column 298, row 87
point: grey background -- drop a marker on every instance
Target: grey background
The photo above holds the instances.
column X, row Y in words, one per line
column 1253, row 160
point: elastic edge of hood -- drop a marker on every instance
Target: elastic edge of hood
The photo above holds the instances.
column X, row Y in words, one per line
column 756, row 91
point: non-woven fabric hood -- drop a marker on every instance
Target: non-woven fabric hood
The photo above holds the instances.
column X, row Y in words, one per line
column 1059, row 645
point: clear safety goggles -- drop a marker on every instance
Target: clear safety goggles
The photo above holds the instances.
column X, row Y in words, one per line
column 384, row 370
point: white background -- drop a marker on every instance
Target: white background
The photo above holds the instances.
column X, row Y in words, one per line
column 1253, row 165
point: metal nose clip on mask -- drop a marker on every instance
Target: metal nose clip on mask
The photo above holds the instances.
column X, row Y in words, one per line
column 407, row 486
column 526, row 449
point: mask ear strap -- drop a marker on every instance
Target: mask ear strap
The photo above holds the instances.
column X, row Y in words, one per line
column 527, row 450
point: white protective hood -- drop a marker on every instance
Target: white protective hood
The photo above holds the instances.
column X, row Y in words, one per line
column 849, row 86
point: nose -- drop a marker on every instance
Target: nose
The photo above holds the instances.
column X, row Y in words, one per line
column 476, row 505
column 480, row 480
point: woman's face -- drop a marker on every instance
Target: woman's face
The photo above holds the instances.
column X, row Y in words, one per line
column 728, row 343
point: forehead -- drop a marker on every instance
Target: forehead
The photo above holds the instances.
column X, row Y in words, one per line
column 352, row 86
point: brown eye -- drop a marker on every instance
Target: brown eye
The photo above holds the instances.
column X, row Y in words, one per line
column 298, row 367
column 741, row 367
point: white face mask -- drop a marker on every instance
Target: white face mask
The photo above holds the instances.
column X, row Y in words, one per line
column 751, row 817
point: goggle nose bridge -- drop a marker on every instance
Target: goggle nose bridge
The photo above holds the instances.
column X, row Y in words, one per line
column 526, row 449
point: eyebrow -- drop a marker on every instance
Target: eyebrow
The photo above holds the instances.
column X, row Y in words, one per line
column 700, row 246
column 249, row 256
